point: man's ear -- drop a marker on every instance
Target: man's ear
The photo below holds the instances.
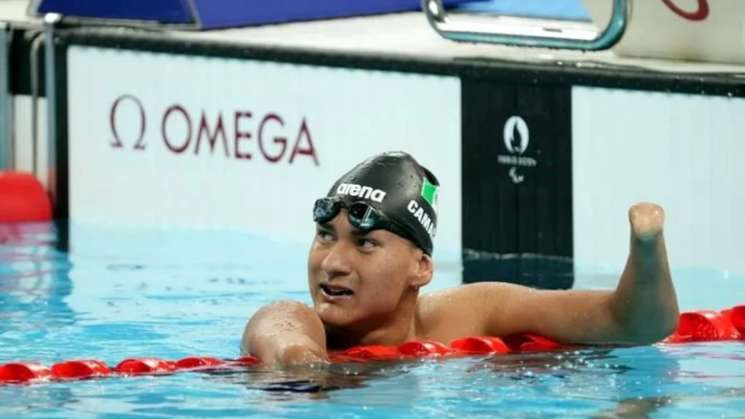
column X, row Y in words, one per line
column 423, row 268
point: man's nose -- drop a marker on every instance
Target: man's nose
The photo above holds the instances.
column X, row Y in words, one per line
column 337, row 260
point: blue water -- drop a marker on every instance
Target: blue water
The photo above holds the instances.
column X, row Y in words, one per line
column 124, row 293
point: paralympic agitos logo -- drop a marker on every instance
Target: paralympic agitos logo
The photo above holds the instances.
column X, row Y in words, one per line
column 239, row 134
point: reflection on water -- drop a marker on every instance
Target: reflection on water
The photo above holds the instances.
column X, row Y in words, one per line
column 315, row 381
column 34, row 281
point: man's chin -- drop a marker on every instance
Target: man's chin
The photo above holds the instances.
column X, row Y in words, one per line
column 333, row 315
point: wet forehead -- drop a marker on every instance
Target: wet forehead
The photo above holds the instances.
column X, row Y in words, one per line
column 341, row 226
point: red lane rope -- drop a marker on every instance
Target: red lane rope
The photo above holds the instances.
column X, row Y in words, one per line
column 695, row 326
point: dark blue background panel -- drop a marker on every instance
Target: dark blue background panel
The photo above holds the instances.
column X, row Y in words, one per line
column 221, row 13
column 226, row 13
column 164, row 11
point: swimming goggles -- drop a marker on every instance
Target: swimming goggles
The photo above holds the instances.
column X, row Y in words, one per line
column 361, row 215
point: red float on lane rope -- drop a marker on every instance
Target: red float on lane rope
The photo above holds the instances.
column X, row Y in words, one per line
column 135, row 366
column 79, row 369
column 703, row 325
column 528, row 342
column 23, row 372
column 365, row 353
column 247, row 360
column 424, row 348
column 736, row 316
column 198, row 362
column 475, row 345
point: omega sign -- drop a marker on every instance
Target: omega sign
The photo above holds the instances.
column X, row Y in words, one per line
column 236, row 134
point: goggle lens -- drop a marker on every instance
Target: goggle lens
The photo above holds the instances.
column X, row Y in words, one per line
column 325, row 209
column 361, row 215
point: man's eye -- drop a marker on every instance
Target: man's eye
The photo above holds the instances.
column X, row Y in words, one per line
column 366, row 243
column 324, row 235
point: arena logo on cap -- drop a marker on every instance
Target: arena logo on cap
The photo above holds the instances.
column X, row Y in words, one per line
column 360, row 191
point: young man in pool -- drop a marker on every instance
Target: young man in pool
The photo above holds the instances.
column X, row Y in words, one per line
column 372, row 253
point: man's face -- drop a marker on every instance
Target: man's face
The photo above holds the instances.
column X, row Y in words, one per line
column 360, row 279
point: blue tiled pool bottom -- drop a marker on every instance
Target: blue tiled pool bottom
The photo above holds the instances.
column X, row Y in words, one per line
column 118, row 294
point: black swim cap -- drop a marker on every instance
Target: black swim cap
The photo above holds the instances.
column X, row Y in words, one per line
column 399, row 187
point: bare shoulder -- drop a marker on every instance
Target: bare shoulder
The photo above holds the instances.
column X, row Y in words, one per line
column 466, row 293
column 461, row 311
column 284, row 307
column 284, row 316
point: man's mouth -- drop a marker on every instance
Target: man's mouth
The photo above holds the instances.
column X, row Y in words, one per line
column 336, row 291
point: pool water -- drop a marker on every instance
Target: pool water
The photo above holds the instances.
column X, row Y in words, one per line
column 134, row 293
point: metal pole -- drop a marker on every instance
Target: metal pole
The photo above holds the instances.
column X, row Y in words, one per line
column 34, row 68
column 464, row 27
column 50, row 21
column 6, row 132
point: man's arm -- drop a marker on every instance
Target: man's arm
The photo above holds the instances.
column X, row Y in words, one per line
column 285, row 333
column 642, row 309
column 645, row 302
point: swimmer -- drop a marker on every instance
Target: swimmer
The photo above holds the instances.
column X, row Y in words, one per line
column 372, row 253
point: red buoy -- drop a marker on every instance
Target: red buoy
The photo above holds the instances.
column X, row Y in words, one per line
column 246, row 360
column 528, row 342
column 365, row 353
column 424, row 348
column 194, row 362
column 80, row 368
column 23, row 198
column 703, row 326
column 134, row 366
column 475, row 345
column 736, row 316
column 22, row 372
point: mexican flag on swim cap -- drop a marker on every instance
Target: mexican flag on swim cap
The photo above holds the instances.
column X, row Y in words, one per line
column 395, row 184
